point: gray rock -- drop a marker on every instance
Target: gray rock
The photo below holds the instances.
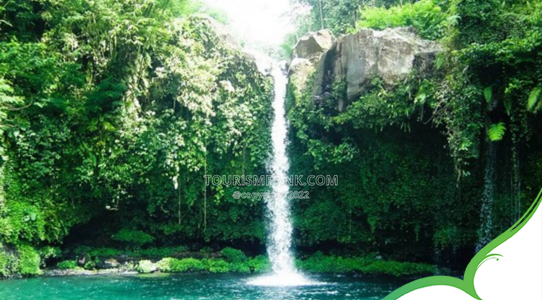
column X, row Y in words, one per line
column 82, row 260
column 146, row 266
column 306, row 54
column 83, row 272
column 312, row 45
column 356, row 59
column 109, row 263
column 299, row 72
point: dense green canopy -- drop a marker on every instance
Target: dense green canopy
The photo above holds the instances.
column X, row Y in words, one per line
column 419, row 161
column 111, row 113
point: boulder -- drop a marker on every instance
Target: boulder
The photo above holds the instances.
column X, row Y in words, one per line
column 306, row 54
column 355, row 59
column 146, row 266
column 312, row 45
column 82, row 260
column 109, row 263
column 299, row 72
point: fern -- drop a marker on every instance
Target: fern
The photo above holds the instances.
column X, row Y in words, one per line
column 533, row 99
column 496, row 131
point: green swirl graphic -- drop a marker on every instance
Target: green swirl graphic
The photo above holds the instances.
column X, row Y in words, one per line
column 467, row 284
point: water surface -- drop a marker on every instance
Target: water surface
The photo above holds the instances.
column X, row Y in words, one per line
column 189, row 287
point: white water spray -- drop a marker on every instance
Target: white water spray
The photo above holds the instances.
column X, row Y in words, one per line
column 280, row 222
column 280, row 235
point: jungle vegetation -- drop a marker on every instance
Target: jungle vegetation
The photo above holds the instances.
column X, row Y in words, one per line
column 112, row 111
column 419, row 162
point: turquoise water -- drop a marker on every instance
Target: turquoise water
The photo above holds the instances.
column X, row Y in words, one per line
column 189, row 287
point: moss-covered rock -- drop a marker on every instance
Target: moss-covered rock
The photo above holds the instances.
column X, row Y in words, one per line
column 22, row 260
column 146, row 266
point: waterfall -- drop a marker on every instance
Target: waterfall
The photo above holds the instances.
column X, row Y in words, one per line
column 516, row 185
column 486, row 212
column 280, row 221
column 280, row 227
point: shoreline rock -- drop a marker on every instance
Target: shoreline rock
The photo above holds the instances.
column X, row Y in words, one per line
column 83, row 272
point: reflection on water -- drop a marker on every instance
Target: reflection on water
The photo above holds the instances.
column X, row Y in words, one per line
column 189, row 287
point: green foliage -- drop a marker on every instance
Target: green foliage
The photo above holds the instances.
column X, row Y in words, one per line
column 340, row 16
column 233, row 255
column 98, row 252
column 164, row 265
column 392, row 179
column 449, row 236
column 110, row 115
column 67, row 265
column 319, row 263
column 216, row 265
column 4, row 262
column 89, row 265
column 399, row 269
column 395, row 185
column 8, row 102
column 380, row 108
column 426, row 16
column 496, row 132
column 9, row 264
column 173, row 265
column 160, row 252
column 49, row 252
column 29, row 261
column 488, row 94
column 144, row 253
column 260, row 264
column 337, row 15
column 534, row 97
column 133, row 237
column 213, row 265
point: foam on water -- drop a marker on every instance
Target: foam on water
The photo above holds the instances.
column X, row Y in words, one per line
column 291, row 279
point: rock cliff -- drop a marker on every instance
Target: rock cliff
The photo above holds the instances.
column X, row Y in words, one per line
column 356, row 59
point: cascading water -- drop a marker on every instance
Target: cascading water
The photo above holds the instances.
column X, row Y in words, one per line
column 280, row 237
column 280, row 222
column 515, row 185
column 486, row 213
